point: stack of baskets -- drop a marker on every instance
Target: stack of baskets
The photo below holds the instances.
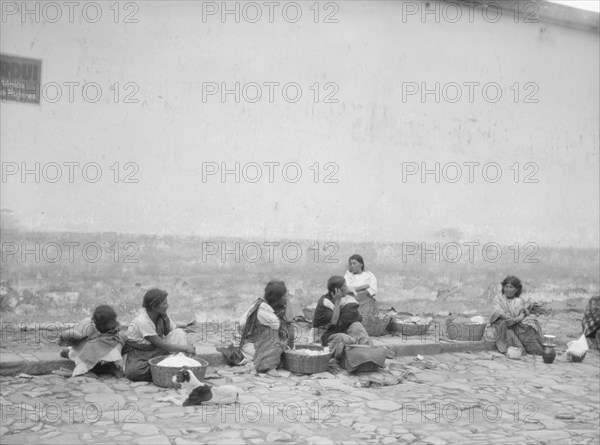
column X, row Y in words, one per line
column 162, row 375
column 306, row 364
column 465, row 331
column 376, row 326
column 408, row 328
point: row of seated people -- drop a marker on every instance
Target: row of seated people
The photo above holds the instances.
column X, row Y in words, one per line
column 99, row 344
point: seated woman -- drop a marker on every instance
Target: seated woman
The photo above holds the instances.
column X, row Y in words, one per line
column 338, row 312
column 363, row 285
column 515, row 326
column 94, row 344
column 267, row 325
column 150, row 334
column 591, row 322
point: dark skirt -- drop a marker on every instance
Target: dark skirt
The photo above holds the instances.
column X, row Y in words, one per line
column 520, row 336
column 137, row 368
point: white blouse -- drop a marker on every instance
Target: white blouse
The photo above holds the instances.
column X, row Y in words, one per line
column 265, row 316
column 361, row 279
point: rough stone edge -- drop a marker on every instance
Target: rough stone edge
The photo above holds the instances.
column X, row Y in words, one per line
column 215, row 358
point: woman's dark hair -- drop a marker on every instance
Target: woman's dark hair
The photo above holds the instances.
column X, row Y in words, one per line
column 104, row 318
column 154, row 297
column 334, row 283
column 359, row 259
column 274, row 291
column 515, row 282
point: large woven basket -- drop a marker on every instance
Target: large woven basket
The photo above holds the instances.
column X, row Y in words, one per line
column 162, row 375
column 409, row 329
column 306, row 364
column 376, row 327
column 465, row 331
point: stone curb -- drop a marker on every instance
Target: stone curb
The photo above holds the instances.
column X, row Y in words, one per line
column 45, row 362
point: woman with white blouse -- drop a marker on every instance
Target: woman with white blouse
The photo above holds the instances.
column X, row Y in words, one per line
column 364, row 286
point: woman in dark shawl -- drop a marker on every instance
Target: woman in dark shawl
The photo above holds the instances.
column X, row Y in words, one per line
column 514, row 323
column 267, row 325
column 94, row 344
column 339, row 314
column 150, row 334
column 591, row 322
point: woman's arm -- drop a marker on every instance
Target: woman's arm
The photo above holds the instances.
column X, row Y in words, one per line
column 184, row 324
column 372, row 288
column 337, row 298
column 170, row 347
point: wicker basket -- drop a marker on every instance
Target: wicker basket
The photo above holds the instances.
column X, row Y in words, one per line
column 376, row 327
column 306, row 364
column 410, row 328
column 465, row 331
column 162, row 375
column 309, row 313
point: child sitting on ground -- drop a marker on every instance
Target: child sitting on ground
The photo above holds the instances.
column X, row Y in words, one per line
column 95, row 344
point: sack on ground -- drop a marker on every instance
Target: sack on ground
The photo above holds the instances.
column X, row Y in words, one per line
column 578, row 347
column 354, row 358
column 233, row 355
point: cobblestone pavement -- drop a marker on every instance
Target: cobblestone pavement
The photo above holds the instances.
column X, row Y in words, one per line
column 474, row 398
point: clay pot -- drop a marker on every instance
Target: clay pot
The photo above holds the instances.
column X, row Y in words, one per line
column 548, row 354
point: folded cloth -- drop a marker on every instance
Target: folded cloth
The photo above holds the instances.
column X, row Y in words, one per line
column 354, row 357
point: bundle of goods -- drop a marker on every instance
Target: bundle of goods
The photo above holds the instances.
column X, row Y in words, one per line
column 363, row 358
column 163, row 368
column 306, row 359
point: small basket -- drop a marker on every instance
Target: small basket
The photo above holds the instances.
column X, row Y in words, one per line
column 309, row 314
column 409, row 329
column 376, row 327
column 465, row 331
column 306, row 364
column 162, row 375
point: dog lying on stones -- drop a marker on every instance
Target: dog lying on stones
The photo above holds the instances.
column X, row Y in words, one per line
column 194, row 392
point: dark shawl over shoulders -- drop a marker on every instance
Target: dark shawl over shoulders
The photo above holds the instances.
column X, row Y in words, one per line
column 348, row 314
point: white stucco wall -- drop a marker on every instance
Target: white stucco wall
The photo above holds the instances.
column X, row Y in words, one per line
column 369, row 133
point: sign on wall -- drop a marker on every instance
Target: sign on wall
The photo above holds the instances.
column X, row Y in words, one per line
column 20, row 79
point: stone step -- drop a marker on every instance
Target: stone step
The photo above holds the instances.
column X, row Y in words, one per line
column 45, row 362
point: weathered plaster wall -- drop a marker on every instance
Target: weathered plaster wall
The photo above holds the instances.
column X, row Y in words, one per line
column 369, row 133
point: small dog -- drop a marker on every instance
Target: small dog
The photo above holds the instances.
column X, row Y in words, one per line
column 195, row 392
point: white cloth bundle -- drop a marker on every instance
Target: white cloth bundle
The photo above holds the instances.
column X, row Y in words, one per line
column 417, row 320
column 178, row 361
column 309, row 352
column 578, row 347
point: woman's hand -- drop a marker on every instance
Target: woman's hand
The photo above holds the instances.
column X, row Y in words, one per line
column 511, row 321
column 189, row 349
column 337, row 296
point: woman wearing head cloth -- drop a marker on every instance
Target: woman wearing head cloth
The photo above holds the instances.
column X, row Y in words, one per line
column 514, row 323
column 267, row 325
column 95, row 344
column 363, row 285
column 150, row 334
